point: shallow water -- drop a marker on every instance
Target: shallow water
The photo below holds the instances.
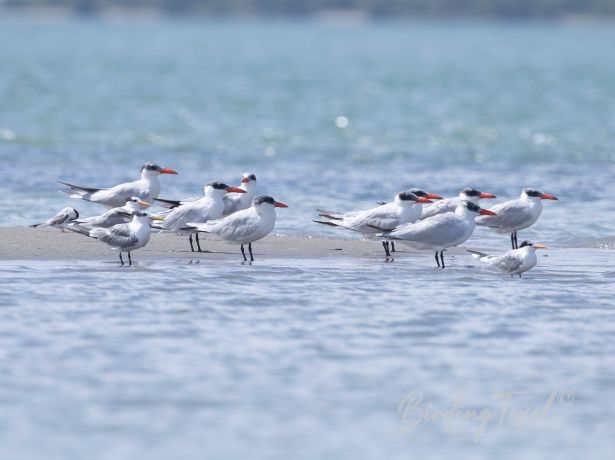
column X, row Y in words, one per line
column 309, row 358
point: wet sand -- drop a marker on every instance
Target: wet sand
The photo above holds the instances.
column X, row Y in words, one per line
column 24, row 243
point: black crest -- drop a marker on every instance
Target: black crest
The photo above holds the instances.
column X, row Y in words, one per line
column 468, row 191
column 418, row 192
column 472, row 207
column 526, row 243
column 407, row 196
column 533, row 192
column 150, row 167
column 218, row 185
column 264, row 199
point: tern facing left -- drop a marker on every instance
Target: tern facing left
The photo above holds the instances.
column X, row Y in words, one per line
column 125, row 237
column 245, row 226
column 515, row 261
column 515, row 215
column 441, row 231
column 60, row 220
column 234, row 202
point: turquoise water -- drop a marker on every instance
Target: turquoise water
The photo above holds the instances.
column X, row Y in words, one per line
column 308, row 358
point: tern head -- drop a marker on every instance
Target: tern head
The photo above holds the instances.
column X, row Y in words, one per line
column 264, row 202
column 467, row 206
column 531, row 245
column 534, row 194
column 248, row 177
column 410, row 198
column 151, row 169
column 424, row 194
column 137, row 203
column 473, row 194
column 145, row 216
column 220, row 188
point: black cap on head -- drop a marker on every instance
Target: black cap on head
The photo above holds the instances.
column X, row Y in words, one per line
column 407, row 196
column 218, row 185
column 252, row 176
column 468, row 191
column 526, row 243
column 533, row 192
column 264, row 199
column 471, row 206
column 151, row 167
column 418, row 192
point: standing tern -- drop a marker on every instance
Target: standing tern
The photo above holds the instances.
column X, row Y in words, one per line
column 125, row 237
column 60, row 220
column 147, row 188
column 405, row 208
column 441, row 231
column 450, row 204
column 515, row 261
column 245, row 226
column 209, row 207
column 515, row 215
column 114, row 216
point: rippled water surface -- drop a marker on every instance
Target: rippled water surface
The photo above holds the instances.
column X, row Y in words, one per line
column 310, row 358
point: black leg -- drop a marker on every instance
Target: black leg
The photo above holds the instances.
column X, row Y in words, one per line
column 121, row 260
column 129, row 259
column 198, row 243
column 442, row 258
column 385, row 245
column 392, row 246
column 512, row 240
column 516, row 241
column 244, row 254
column 250, row 249
column 191, row 246
column 437, row 260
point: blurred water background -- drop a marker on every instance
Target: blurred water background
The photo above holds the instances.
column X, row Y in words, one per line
column 307, row 359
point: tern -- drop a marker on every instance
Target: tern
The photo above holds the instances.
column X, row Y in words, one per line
column 450, row 204
column 60, row 220
column 234, row 202
column 245, row 226
column 125, row 237
column 441, row 231
column 515, row 261
column 114, row 216
column 516, row 215
column 405, row 208
column 209, row 207
column 147, row 188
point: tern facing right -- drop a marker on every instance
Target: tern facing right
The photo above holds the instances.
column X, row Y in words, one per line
column 245, row 226
column 449, row 204
column 125, row 237
column 515, row 215
column 405, row 208
column 60, row 220
column 515, row 261
column 441, row 231
column 147, row 188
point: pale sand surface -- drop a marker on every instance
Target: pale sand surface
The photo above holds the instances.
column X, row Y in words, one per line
column 22, row 243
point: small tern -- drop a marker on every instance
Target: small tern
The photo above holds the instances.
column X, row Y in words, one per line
column 114, row 216
column 515, row 261
column 60, row 220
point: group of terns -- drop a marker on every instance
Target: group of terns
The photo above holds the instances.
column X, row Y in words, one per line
column 448, row 223
column 237, row 215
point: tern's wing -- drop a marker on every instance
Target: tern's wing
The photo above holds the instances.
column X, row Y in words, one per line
column 194, row 211
column 439, row 207
column 238, row 226
column 382, row 217
column 62, row 217
column 438, row 230
column 118, row 236
column 509, row 214
column 232, row 203
column 509, row 262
